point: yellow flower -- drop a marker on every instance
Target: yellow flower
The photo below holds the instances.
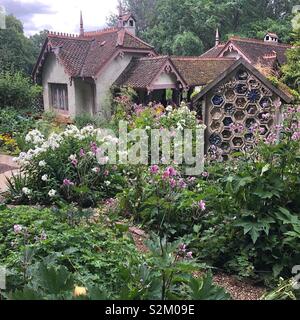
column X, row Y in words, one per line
column 80, row 291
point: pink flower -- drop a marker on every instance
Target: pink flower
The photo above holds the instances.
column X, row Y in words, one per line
column 94, row 148
column 173, row 183
column 296, row 136
column 182, row 247
column 172, row 171
column 106, row 173
column 202, row 205
column 74, row 162
column 82, row 153
column 18, row 228
column 189, row 255
column 205, row 174
column 154, row 169
column 182, row 184
column 68, row 183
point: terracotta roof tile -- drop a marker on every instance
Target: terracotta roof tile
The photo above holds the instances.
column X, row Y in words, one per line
column 84, row 56
column 141, row 72
column 213, row 52
column 200, row 71
column 255, row 49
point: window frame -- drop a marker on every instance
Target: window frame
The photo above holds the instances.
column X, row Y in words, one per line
column 58, row 97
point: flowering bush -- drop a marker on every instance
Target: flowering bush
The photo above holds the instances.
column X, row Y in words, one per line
column 164, row 201
column 65, row 166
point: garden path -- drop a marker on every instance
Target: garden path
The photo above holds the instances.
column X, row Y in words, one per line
column 7, row 168
column 239, row 290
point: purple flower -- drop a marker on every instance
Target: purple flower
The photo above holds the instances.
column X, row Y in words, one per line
column 68, row 183
column 74, row 162
column 154, row 169
column 18, row 228
column 296, row 136
column 182, row 184
column 202, row 205
column 189, row 255
column 173, row 183
column 94, row 148
column 182, row 247
column 172, row 171
column 205, row 174
column 82, row 153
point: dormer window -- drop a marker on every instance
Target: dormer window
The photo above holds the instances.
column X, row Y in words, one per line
column 271, row 37
column 131, row 23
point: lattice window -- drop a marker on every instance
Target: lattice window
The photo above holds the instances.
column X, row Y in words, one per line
column 236, row 108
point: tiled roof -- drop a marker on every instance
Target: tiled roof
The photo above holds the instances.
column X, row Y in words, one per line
column 253, row 49
column 84, row 56
column 213, row 52
column 200, row 71
column 194, row 70
column 141, row 72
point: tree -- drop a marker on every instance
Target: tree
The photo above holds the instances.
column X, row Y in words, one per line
column 16, row 52
column 37, row 41
column 161, row 21
column 187, row 44
column 291, row 70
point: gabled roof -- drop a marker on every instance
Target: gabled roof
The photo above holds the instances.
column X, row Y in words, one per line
column 213, row 52
column 241, row 62
column 199, row 71
column 252, row 49
column 141, row 73
column 85, row 56
column 192, row 71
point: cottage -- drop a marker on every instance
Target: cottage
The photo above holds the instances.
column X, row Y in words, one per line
column 79, row 72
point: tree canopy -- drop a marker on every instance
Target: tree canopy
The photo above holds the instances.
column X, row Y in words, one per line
column 17, row 52
column 169, row 24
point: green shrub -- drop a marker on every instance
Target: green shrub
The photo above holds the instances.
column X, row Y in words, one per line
column 86, row 119
column 17, row 91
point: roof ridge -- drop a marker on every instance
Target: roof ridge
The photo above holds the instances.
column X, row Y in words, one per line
column 259, row 41
column 202, row 58
column 54, row 34
column 155, row 58
column 100, row 31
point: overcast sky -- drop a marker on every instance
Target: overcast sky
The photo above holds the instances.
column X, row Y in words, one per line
column 60, row 15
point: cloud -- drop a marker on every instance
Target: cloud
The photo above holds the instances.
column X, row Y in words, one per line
column 26, row 10
column 60, row 15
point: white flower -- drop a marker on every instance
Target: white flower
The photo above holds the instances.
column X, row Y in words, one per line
column 26, row 191
column 95, row 170
column 107, row 183
column 73, row 157
column 45, row 177
column 52, row 193
column 34, row 137
column 169, row 108
column 42, row 163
